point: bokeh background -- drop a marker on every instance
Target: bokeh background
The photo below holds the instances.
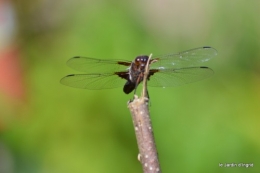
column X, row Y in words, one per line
column 46, row 127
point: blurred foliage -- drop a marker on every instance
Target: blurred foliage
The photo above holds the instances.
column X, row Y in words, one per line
column 197, row 126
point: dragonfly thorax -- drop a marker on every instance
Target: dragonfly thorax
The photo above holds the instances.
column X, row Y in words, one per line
column 137, row 68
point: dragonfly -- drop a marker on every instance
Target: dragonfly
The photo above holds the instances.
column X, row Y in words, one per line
column 168, row 70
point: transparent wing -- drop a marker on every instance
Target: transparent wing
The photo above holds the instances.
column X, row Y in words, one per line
column 92, row 65
column 93, row 81
column 177, row 77
column 188, row 58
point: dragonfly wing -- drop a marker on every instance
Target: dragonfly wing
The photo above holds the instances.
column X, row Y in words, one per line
column 188, row 58
column 94, row 81
column 92, row 65
column 177, row 77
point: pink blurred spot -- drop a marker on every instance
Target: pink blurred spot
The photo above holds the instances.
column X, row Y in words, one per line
column 11, row 78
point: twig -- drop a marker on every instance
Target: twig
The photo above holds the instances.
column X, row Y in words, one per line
column 143, row 129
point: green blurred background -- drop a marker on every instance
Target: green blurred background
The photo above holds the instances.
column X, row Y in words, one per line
column 46, row 127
